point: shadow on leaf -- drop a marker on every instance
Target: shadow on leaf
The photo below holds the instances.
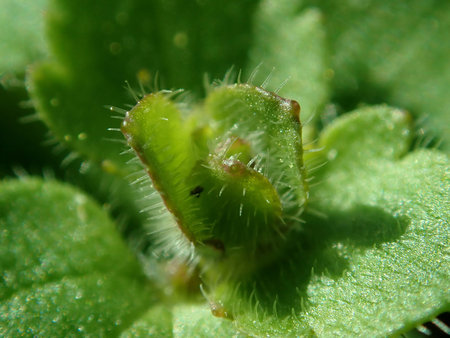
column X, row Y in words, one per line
column 324, row 248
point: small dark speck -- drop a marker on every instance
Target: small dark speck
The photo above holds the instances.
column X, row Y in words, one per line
column 216, row 244
column 196, row 191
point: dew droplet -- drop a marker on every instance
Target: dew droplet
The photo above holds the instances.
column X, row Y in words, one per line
column 180, row 39
column 82, row 136
column 115, row 48
column 399, row 116
column 143, row 75
column 109, row 166
column 54, row 102
column 122, row 18
column 332, row 154
column 67, row 137
column 79, row 295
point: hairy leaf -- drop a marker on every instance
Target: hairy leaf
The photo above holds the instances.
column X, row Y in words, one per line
column 290, row 53
column 197, row 321
column 238, row 188
column 372, row 258
column 65, row 270
column 117, row 41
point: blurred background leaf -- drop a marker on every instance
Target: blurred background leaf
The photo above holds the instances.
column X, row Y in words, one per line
column 392, row 52
column 65, row 268
column 22, row 38
column 114, row 42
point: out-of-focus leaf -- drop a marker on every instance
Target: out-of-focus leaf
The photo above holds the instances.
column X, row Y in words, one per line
column 21, row 34
column 392, row 52
column 290, row 48
column 65, row 269
column 97, row 46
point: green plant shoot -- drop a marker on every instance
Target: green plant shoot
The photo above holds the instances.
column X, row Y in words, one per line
column 231, row 171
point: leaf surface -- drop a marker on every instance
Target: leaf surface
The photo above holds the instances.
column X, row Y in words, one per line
column 290, row 51
column 372, row 257
column 65, row 269
column 21, row 34
column 237, row 188
column 118, row 41
column 197, row 321
column 394, row 53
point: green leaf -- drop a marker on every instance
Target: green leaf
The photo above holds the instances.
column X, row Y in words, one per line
column 410, row 275
column 351, row 152
column 65, row 270
column 392, row 52
column 98, row 46
column 156, row 322
column 238, row 188
column 197, row 321
column 372, row 258
column 21, row 34
column 184, row 320
column 291, row 46
column 271, row 125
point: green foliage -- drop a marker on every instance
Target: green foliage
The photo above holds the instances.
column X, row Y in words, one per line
column 155, row 322
column 362, row 249
column 22, row 39
column 65, row 268
column 238, row 188
column 387, row 214
column 291, row 47
column 131, row 41
column 392, row 52
column 197, row 321
column 375, row 220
